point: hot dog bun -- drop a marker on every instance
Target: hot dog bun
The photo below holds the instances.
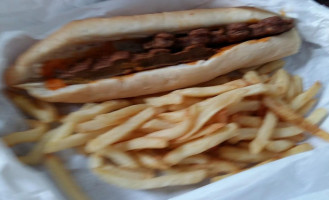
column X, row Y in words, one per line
column 230, row 58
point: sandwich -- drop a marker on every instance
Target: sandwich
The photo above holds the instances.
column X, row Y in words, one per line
column 99, row 59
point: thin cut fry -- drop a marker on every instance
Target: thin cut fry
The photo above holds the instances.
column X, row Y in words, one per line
column 35, row 156
column 95, row 161
column 307, row 107
column 40, row 110
column 243, row 106
column 196, row 159
column 200, row 145
column 174, row 117
column 252, row 77
column 298, row 84
column 120, row 131
column 317, row 115
column 174, row 132
column 271, row 67
column 306, row 96
column 212, row 90
column 68, row 142
column 119, row 157
column 110, row 119
column 298, row 149
column 143, row 143
column 89, row 113
column 248, row 121
column 168, row 99
column 31, row 135
column 63, row 178
column 289, row 115
column 242, row 155
column 129, row 173
column 156, row 125
column 151, row 161
column 279, row 145
column 264, row 133
column 184, row 178
column 207, row 130
column 281, row 81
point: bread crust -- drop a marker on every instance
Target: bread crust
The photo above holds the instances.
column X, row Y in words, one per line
column 245, row 54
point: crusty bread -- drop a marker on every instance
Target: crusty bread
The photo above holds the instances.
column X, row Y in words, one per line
column 67, row 40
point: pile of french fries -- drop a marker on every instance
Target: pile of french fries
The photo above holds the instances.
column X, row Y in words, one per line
column 234, row 122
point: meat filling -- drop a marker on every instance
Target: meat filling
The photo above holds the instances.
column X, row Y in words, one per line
column 124, row 57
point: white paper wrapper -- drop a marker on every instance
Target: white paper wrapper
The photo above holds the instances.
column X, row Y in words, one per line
column 298, row 177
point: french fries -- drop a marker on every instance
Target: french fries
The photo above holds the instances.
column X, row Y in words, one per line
column 219, row 128
column 63, row 178
column 32, row 135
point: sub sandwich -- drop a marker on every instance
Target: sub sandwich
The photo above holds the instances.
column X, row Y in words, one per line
column 100, row 59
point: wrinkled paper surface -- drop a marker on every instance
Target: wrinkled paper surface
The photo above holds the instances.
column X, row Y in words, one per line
column 299, row 177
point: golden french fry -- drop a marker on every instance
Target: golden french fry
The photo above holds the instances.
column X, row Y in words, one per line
column 185, row 104
column 243, row 106
column 119, row 157
column 128, row 173
column 184, row 178
column 242, row 155
column 291, row 93
column 210, row 107
column 64, row 130
column 281, row 81
column 95, row 161
column 200, row 145
column 176, row 116
column 31, row 135
column 287, row 114
column 307, row 107
column 156, row 125
column 317, row 115
column 248, row 121
column 174, row 132
column 196, row 159
column 74, row 140
column 213, row 168
column 168, row 99
column 279, row 145
column 264, row 133
column 297, row 149
column 212, row 90
column 298, row 84
column 35, row 156
column 63, row 178
column 306, row 96
column 89, row 113
column 271, row 67
column 252, row 77
column 143, row 143
column 40, row 110
column 110, row 119
column 120, row 131
column 298, row 138
column 207, row 130
column 151, row 161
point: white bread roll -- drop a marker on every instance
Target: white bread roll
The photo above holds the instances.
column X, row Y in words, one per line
column 68, row 39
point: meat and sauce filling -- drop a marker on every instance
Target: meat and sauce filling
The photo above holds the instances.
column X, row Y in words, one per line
column 122, row 57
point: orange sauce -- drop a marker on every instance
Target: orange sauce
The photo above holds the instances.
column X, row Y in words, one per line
column 265, row 39
column 222, row 50
column 54, row 84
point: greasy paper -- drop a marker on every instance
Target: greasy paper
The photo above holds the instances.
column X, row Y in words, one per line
column 303, row 176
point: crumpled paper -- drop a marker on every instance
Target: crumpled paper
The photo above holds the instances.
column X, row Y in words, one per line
column 299, row 177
